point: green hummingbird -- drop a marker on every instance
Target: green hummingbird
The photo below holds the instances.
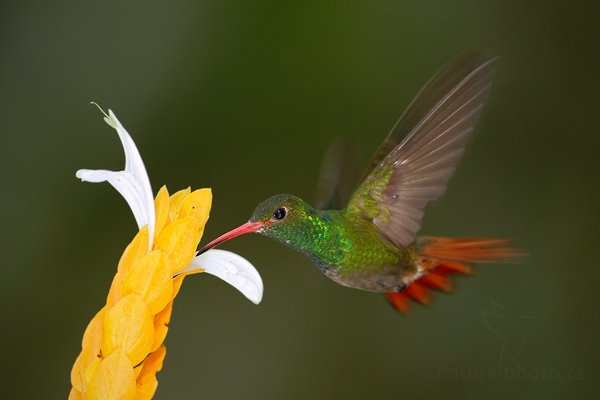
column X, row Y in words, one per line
column 372, row 244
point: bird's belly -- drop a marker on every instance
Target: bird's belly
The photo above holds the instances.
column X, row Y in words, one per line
column 362, row 259
column 390, row 279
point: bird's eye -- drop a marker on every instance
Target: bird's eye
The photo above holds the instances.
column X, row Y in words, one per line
column 280, row 213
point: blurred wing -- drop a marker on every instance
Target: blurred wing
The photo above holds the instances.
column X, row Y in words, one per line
column 338, row 175
column 435, row 128
column 434, row 91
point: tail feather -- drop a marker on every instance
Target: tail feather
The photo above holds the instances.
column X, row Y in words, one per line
column 455, row 267
column 399, row 301
column 437, row 279
column 467, row 249
column 441, row 257
column 418, row 292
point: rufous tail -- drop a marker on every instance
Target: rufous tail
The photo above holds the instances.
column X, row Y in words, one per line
column 442, row 257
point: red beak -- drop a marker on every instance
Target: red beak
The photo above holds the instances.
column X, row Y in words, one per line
column 248, row 227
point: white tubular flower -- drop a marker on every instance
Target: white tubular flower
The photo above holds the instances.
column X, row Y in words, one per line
column 232, row 268
column 132, row 183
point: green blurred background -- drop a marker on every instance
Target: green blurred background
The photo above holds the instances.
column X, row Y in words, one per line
column 244, row 97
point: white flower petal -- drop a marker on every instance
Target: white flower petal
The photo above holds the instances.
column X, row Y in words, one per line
column 233, row 269
column 125, row 184
column 132, row 183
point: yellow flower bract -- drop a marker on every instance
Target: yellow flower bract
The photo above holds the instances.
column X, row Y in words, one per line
column 122, row 347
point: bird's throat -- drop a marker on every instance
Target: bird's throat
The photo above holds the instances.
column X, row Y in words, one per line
column 318, row 234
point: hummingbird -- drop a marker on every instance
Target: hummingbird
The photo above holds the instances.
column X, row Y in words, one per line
column 371, row 243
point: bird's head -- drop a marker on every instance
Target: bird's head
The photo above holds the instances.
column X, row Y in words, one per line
column 282, row 217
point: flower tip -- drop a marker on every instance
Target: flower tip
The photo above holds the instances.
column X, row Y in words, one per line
column 256, row 298
column 109, row 118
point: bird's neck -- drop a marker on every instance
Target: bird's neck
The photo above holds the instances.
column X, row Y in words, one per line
column 321, row 237
column 327, row 238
